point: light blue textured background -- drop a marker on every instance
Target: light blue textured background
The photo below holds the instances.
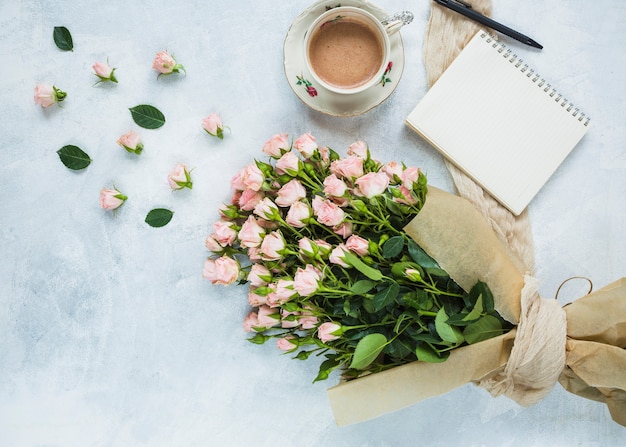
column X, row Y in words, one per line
column 109, row 336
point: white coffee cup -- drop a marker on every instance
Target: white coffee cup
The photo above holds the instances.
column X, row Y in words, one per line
column 347, row 49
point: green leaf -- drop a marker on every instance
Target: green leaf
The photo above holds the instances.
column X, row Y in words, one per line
column 483, row 329
column 420, row 256
column 354, row 261
column 259, row 339
column 63, row 38
column 159, row 217
column 426, row 353
column 482, row 290
column 393, row 247
column 362, row 287
column 386, row 296
column 367, row 350
column 74, row 157
column 147, row 116
column 449, row 334
column 326, row 368
column 476, row 311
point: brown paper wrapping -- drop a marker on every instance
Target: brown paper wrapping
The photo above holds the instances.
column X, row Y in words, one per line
column 451, row 231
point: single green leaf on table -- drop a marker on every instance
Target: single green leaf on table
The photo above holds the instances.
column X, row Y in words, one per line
column 159, row 217
column 63, row 38
column 147, row 116
column 483, row 329
column 367, row 350
column 74, row 157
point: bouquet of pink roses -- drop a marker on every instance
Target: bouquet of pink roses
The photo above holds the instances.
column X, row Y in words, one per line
column 320, row 241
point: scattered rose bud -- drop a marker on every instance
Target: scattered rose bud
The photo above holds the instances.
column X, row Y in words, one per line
column 165, row 64
column 47, row 95
column 180, row 177
column 104, row 72
column 131, row 142
column 111, row 199
column 212, row 124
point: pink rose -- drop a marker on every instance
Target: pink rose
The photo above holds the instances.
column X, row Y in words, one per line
column 179, row 177
column 223, row 270
column 409, row 176
column 212, row 124
column 298, row 215
column 266, row 209
column 393, row 170
column 351, row 167
column 256, row 300
column 344, row 230
column 324, row 247
column 251, row 321
column 358, row 148
column 249, row 199
column 272, row 246
column 268, row 317
column 306, row 281
column 254, row 253
column 259, row 275
column 276, row 145
column 291, row 192
column 288, row 164
column 236, row 182
column 131, row 142
column 165, row 64
column 358, row 245
column 212, row 245
column 327, row 212
column 251, row 233
column 329, row 332
column 111, row 199
column 337, row 256
column 286, row 344
column 334, row 186
column 289, row 319
column 407, row 196
column 224, row 232
column 47, row 95
column 104, row 72
column 306, row 145
column 372, row 184
column 283, row 292
column 252, row 177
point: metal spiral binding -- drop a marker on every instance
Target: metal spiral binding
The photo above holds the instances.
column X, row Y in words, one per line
column 535, row 78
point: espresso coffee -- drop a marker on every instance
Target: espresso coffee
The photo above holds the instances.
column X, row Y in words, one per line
column 345, row 52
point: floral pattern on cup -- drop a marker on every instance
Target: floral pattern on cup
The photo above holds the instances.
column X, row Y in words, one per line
column 384, row 78
column 307, row 85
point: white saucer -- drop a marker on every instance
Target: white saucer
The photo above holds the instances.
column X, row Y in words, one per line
column 321, row 99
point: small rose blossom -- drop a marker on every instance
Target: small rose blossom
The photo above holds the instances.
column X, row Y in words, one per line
column 372, row 184
column 306, row 145
column 223, row 270
column 165, row 64
column 268, row 317
column 290, row 192
column 252, row 177
column 283, row 292
column 267, row 209
column 276, row 145
column 349, row 168
column 272, row 246
column 254, row 253
column 327, row 212
column 180, row 177
column 251, row 321
column 358, row 148
column 212, row 245
column 249, row 199
column 111, row 199
column 358, row 245
column 256, row 300
column 344, row 230
column 289, row 320
column 131, row 142
column 104, row 72
column 407, row 196
column 413, row 274
column 306, row 281
column 409, row 176
column 324, row 247
column 213, row 125
column 308, row 320
column 329, row 332
column 259, row 275
column 251, row 233
column 286, row 344
column 236, row 182
column 47, row 95
column 298, row 215
column 337, row 256
column 394, row 171
column 288, row 164
column 224, row 232
column 334, row 186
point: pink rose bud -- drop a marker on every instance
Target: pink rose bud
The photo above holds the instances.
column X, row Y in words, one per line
column 252, row 177
column 273, row 246
column 286, row 344
column 276, row 145
column 251, row 233
column 288, row 164
column 358, row 148
column 329, row 332
column 266, row 209
column 131, row 142
column 290, row 192
column 47, row 95
column 111, row 199
column 327, row 212
column 251, row 322
column 409, row 176
column 165, row 64
column 223, row 270
column 306, row 281
column 268, row 317
column 104, row 72
column 306, row 145
column 334, row 186
column 372, row 184
column 298, row 215
column 224, row 232
column 180, row 177
column 212, row 124
column 338, row 254
column 351, row 167
column 394, row 171
column 358, row 245
column 259, row 275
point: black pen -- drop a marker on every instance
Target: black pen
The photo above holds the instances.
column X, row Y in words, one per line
column 466, row 9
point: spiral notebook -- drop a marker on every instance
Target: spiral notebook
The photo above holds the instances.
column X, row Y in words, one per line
column 499, row 122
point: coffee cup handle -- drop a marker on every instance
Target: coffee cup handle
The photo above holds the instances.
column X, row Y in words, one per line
column 394, row 22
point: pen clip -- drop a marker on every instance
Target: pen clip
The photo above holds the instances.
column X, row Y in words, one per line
column 462, row 3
